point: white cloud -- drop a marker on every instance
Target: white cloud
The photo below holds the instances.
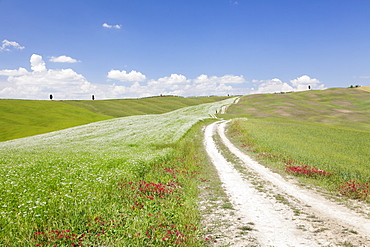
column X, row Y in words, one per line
column 124, row 76
column 302, row 83
column 203, row 85
column 226, row 79
column 37, row 64
column 173, row 82
column 276, row 85
column 173, row 79
column 63, row 59
column 8, row 45
column 14, row 72
column 38, row 83
column 272, row 86
column 177, row 84
column 362, row 77
column 112, row 26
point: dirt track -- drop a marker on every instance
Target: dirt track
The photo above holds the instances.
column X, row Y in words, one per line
column 280, row 212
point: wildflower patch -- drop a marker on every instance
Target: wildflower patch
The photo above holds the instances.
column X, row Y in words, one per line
column 61, row 188
column 307, row 171
column 355, row 190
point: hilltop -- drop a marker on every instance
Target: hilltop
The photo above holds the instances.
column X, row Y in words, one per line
column 345, row 107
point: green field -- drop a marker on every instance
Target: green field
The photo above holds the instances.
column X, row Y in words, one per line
column 130, row 107
column 341, row 107
column 129, row 181
column 327, row 129
column 134, row 180
column 21, row 118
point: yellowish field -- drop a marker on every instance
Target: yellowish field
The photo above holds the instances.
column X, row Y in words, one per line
column 365, row 88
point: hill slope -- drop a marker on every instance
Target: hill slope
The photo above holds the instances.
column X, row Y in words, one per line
column 326, row 129
column 343, row 107
column 130, row 107
column 22, row 118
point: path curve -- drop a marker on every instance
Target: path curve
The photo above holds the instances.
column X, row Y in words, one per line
column 275, row 224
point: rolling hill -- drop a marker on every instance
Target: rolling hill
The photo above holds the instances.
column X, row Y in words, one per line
column 22, row 118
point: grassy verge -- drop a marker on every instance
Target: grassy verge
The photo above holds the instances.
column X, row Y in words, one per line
column 330, row 154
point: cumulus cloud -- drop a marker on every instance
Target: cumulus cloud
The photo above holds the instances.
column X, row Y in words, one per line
column 126, row 77
column 112, row 26
column 302, row 83
column 9, row 45
column 14, row 72
column 177, row 84
column 204, row 85
column 37, row 64
column 276, row 85
column 273, row 86
column 134, row 91
column 226, row 79
column 38, row 83
column 173, row 81
column 215, row 85
column 63, row 59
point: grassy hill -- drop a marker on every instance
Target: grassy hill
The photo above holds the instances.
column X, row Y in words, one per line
column 343, row 107
column 365, row 88
column 327, row 130
column 130, row 107
column 22, row 118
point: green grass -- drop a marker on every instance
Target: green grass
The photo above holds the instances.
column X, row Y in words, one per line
column 85, row 182
column 151, row 105
column 348, row 108
column 129, row 181
column 327, row 129
column 22, row 118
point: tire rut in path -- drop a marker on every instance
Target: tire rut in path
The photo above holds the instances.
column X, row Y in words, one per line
column 275, row 224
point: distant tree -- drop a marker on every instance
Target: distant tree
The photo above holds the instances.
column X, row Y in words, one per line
column 93, row 97
column 309, row 87
column 51, row 97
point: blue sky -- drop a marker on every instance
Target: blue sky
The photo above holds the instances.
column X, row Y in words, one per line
column 139, row 48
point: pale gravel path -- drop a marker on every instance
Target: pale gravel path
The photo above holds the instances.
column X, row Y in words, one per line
column 272, row 227
column 275, row 224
